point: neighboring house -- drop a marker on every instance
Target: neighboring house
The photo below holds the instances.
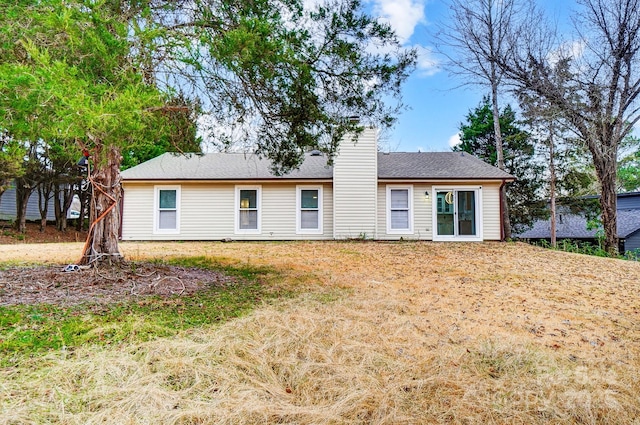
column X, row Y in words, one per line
column 443, row 196
column 574, row 226
column 8, row 207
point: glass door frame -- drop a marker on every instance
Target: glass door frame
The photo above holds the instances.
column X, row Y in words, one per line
column 478, row 212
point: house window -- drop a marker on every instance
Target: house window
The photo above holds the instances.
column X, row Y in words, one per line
column 399, row 209
column 167, row 214
column 248, row 209
column 309, row 209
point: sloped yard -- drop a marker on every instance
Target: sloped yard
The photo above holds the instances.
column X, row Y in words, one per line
column 385, row 333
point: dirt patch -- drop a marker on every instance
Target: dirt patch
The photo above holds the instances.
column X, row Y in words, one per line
column 33, row 234
column 54, row 285
column 51, row 284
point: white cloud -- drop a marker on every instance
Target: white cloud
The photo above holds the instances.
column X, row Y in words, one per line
column 571, row 49
column 402, row 15
column 454, row 140
column 427, row 63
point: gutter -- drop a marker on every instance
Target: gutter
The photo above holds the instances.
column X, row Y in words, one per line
column 121, row 211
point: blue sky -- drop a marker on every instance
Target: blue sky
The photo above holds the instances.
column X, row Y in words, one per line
column 438, row 103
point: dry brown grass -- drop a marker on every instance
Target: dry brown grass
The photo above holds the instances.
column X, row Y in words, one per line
column 393, row 333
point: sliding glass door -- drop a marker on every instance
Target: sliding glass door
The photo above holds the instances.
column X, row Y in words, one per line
column 457, row 214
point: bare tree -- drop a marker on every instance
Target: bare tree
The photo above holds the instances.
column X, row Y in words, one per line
column 604, row 79
column 476, row 37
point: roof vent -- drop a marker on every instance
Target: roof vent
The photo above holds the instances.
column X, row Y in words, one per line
column 315, row 152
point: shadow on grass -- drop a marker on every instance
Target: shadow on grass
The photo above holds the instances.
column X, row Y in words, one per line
column 27, row 330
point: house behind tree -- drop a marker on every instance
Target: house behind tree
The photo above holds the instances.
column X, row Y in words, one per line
column 446, row 196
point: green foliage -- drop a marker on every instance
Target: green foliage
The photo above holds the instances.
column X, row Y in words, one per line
column 29, row 330
column 629, row 172
column 179, row 116
column 275, row 74
column 284, row 77
column 67, row 74
column 11, row 154
column 478, row 138
column 579, row 247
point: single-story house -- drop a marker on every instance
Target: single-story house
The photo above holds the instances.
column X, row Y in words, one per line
column 573, row 226
column 440, row 196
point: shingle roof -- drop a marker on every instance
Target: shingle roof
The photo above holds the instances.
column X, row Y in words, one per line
column 239, row 166
column 222, row 166
column 575, row 226
column 436, row 165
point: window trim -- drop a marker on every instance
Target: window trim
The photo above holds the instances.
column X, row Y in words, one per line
column 299, row 229
column 156, row 209
column 236, row 210
column 409, row 189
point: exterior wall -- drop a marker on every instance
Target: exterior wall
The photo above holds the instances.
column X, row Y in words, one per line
column 422, row 212
column 207, row 212
column 628, row 202
column 423, row 223
column 632, row 242
column 355, row 187
column 491, row 226
column 8, row 206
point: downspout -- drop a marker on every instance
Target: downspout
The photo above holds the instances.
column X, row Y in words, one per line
column 121, row 212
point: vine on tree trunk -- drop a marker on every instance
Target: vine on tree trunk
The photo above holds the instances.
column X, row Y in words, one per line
column 101, row 246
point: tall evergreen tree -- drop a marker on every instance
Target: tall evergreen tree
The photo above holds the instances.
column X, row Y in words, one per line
column 102, row 74
column 478, row 138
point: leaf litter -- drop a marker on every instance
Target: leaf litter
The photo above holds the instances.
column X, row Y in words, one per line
column 51, row 284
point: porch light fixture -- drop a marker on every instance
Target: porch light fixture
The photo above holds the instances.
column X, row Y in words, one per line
column 426, row 195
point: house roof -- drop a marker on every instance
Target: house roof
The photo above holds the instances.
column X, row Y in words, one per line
column 222, row 166
column 240, row 166
column 574, row 226
column 436, row 165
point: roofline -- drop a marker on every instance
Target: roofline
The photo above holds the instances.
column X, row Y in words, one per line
column 270, row 180
column 325, row 180
column 631, row 233
column 447, row 179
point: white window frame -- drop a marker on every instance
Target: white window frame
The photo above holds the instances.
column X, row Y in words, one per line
column 409, row 230
column 156, row 209
column 299, row 229
column 479, row 213
column 236, row 210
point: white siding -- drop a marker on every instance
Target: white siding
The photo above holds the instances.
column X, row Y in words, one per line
column 137, row 217
column 422, row 226
column 491, row 211
column 355, row 178
column 423, row 210
column 207, row 212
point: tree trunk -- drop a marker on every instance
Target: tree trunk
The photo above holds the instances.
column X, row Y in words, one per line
column 84, row 193
column 44, row 193
column 102, row 240
column 609, row 206
column 552, row 190
column 57, row 206
column 64, row 196
column 506, row 223
column 23, row 192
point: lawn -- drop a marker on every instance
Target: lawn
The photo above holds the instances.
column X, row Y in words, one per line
column 364, row 332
